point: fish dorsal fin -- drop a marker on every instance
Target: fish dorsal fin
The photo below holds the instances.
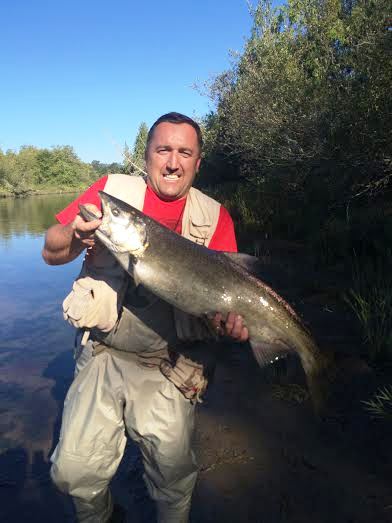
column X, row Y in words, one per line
column 246, row 261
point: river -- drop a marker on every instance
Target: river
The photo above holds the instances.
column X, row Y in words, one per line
column 36, row 357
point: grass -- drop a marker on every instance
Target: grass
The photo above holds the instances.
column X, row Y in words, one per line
column 371, row 300
column 381, row 404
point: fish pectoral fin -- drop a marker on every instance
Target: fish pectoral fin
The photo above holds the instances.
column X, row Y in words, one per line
column 270, row 351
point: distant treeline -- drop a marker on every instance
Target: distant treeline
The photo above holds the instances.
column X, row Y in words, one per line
column 59, row 168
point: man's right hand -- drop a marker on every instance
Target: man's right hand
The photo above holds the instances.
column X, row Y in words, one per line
column 83, row 230
column 64, row 243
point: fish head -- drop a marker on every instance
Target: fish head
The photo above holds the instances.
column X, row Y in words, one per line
column 122, row 229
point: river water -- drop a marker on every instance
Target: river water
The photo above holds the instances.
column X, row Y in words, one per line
column 36, row 357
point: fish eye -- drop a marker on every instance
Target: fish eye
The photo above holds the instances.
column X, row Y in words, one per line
column 115, row 212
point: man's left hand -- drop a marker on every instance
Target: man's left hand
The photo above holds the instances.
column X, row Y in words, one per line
column 233, row 326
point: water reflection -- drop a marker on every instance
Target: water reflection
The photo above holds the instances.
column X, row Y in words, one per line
column 31, row 216
column 36, row 360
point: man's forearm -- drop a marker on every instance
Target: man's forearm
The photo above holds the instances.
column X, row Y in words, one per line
column 61, row 246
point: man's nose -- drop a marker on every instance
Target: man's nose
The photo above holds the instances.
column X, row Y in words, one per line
column 172, row 161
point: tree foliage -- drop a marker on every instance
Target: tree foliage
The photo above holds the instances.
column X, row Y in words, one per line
column 312, row 85
column 107, row 168
column 303, row 115
column 134, row 162
column 32, row 168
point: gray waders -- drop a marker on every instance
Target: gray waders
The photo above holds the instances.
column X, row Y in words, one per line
column 115, row 392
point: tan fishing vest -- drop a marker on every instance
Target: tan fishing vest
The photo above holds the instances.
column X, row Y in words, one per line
column 145, row 322
column 200, row 216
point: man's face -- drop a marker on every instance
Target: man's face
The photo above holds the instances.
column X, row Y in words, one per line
column 173, row 159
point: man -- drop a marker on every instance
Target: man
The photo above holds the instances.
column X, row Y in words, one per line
column 113, row 391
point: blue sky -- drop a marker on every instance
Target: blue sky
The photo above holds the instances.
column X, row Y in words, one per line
column 87, row 73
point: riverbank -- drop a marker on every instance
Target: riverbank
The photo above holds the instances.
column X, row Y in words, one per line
column 40, row 192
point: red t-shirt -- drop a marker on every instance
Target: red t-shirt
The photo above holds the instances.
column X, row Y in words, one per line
column 168, row 214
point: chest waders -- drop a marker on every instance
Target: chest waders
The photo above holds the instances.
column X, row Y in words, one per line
column 112, row 395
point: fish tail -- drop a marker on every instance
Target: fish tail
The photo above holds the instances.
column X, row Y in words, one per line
column 320, row 383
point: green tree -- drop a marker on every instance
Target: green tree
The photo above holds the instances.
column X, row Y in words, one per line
column 18, row 170
column 106, row 168
column 134, row 162
column 61, row 166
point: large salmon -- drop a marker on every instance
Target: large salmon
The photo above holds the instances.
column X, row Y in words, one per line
column 200, row 281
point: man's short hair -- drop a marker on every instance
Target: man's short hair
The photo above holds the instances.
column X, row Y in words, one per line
column 176, row 118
